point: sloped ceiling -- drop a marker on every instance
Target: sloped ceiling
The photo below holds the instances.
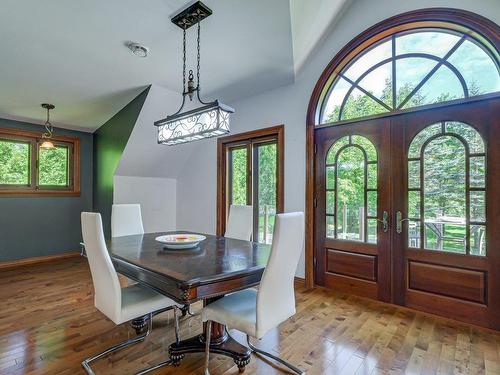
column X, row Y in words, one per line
column 72, row 53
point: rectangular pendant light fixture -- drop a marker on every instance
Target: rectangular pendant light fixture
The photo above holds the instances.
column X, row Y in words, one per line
column 208, row 119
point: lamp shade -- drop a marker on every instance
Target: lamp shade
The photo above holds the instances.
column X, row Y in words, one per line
column 208, row 121
column 47, row 145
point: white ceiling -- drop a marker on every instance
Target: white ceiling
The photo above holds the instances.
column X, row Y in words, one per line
column 72, row 53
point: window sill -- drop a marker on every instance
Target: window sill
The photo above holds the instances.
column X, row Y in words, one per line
column 38, row 193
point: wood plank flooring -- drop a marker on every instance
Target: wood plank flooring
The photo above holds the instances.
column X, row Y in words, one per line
column 48, row 325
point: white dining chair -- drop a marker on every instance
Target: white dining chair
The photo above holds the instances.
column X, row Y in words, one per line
column 240, row 222
column 256, row 312
column 126, row 220
column 120, row 305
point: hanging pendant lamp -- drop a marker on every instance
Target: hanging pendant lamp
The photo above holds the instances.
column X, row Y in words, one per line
column 205, row 120
column 49, row 130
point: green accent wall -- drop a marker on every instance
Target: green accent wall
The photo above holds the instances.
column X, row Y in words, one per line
column 109, row 142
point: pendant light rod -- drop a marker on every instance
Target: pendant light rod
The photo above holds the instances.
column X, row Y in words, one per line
column 48, row 126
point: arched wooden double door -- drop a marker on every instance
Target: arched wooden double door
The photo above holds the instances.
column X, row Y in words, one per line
column 403, row 145
column 407, row 210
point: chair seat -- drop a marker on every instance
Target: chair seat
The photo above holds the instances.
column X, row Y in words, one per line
column 237, row 310
column 138, row 301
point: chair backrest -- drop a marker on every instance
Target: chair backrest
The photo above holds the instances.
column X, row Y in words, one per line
column 240, row 222
column 126, row 220
column 276, row 297
column 107, row 290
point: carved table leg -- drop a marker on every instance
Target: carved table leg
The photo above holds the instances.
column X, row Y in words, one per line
column 220, row 343
column 184, row 310
column 139, row 324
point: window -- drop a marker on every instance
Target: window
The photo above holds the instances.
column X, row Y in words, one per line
column 251, row 173
column 447, row 188
column 411, row 68
column 26, row 168
column 351, row 190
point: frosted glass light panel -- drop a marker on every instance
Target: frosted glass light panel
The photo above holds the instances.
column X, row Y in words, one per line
column 410, row 69
column 204, row 122
column 446, row 189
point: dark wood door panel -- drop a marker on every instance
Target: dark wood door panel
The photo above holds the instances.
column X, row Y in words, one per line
column 441, row 258
column 447, row 281
column 448, row 307
column 346, row 284
column 360, row 266
column 351, row 246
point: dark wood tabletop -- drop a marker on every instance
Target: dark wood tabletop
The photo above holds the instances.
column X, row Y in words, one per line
column 217, row 266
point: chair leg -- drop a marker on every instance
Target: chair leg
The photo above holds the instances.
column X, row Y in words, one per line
column 86, row 363
column 176, row 325
column 177, row 339
column 123, row 344
column 277, row 359
column 208, row 334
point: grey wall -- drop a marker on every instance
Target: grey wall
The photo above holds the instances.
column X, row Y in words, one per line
column 38, row 226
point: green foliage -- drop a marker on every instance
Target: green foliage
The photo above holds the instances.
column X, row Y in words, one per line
column 267, row 175
column 14, row 162
column 53, row 166
column 266, row 178
column 239, row 176
column 444, row 170
column 363, row 105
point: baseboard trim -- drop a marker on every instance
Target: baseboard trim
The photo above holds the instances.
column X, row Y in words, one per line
column 34, row 260
column 300, row 282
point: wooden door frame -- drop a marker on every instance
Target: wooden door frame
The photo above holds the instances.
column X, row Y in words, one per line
column 277, row 132
column 457, row 17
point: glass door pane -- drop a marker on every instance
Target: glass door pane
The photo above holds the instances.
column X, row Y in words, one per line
column 265, row 184
column 237, row 175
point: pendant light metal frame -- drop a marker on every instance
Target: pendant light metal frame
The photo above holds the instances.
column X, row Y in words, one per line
column 209, row 120
column 49, row 129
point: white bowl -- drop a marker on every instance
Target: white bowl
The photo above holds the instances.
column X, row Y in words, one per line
column 180, row 240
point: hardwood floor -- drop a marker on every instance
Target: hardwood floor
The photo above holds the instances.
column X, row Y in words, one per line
column 48, row 325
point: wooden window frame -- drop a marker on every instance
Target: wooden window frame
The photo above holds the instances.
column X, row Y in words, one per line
column 33, row 189
column 241, row 140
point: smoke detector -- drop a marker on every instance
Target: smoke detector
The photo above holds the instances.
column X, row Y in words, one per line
column 138, row 49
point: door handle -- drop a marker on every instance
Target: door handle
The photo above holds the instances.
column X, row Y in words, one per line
column 399, row 222
column 384, row 221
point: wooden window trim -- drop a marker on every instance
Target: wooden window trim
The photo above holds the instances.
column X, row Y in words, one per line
column 244, row 140
column 32, row 190
column 472, row 21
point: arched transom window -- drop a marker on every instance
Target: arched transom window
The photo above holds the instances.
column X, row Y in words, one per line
column 446, row 189
column 408, row 69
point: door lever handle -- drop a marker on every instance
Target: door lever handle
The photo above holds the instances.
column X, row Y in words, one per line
column 384, row 221
column 399, row 222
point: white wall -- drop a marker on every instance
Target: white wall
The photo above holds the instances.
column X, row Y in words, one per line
column 157, row 197
column 196, row 182
column 143, row 156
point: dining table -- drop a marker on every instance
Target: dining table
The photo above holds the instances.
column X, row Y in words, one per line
column 216, row 267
